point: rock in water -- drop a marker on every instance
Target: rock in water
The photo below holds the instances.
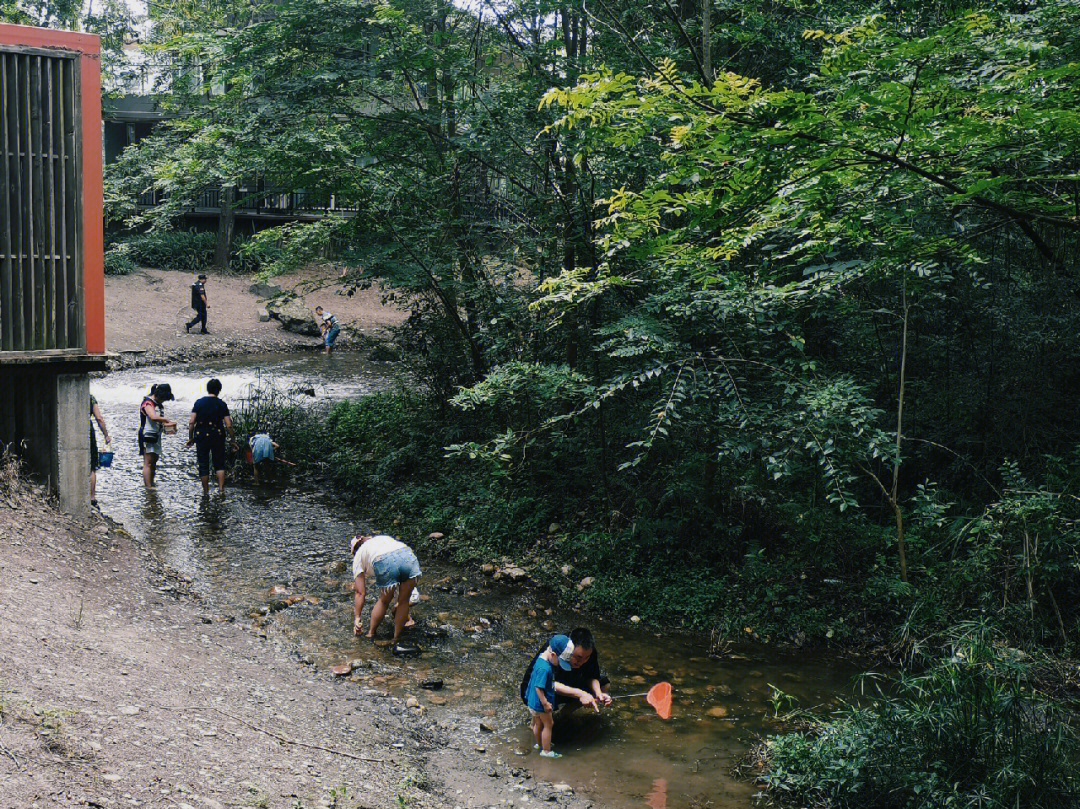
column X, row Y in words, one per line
column 406, row 650
column 432, row 685
column 293, row 316
column 344, row 670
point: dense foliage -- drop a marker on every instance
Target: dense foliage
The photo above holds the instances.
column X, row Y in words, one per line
column 792, row 294
column 976, row 729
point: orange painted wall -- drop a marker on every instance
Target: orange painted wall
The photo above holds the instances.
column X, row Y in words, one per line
column 88, row 46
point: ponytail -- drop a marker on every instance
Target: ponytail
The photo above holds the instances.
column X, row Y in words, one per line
column 153, row 389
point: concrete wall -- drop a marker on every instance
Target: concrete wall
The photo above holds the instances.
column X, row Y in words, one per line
column 47, row 411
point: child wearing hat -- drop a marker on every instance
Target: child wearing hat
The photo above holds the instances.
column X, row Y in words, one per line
column 541, row 691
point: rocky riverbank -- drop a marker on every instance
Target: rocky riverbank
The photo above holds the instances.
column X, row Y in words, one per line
column 120, row 687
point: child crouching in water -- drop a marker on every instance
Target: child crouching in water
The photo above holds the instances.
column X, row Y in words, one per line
column 541, row 691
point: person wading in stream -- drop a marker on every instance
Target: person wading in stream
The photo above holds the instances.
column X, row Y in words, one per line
column 152, row 427
column 209, row 422
column 582, row 684
column 95, row 415
column 395, row 567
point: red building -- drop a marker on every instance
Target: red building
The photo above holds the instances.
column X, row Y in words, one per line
column 52, row 283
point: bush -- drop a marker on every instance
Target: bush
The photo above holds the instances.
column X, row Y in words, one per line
column 185, row 250
column 118, row 260
column 975, row 730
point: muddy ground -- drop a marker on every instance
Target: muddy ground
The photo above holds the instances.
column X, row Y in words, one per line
column 146, row 311
column 118, row 688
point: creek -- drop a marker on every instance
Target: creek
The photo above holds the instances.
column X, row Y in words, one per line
column 477, row 634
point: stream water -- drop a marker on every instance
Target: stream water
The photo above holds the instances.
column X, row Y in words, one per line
column 477, row 634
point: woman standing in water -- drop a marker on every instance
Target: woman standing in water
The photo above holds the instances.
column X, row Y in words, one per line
column 395, row 567
column 152, row 426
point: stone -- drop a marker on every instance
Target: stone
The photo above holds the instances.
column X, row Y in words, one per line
column 514, row 573
column 724, row 690
column 338, row 567
column 436, row 535
column 717, row 712
column 487, row 727
column 412, row 702
column 264, row 316
column 566, row 570
column 562, row 786
column 554, row 528
column 342, row 670
column 432, row 685
column 635, row 619
column 435, row 699
column 585, row 583
column 487, row 569
column 129, row 710
column 293, row 315
column 264, row 289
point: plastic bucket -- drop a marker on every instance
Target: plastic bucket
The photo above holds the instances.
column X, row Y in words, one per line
column 105, row 458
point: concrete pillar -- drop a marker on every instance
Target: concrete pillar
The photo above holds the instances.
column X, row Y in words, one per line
column 73, row 442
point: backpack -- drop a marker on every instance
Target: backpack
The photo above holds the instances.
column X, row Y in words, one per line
column 196, row 295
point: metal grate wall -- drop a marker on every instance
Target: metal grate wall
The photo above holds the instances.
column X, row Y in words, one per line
column 41, row 306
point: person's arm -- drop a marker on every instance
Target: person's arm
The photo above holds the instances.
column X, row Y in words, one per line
column 598, row 692
column 151, row 414
column 359, row 595
column 275, row 444
column 101, row 422
column 584, row 697
column 203, row 296
column 543, row 698
column 229, row 427
column 191, row 429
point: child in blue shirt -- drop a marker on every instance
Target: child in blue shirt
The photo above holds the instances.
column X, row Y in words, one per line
column 541, row 691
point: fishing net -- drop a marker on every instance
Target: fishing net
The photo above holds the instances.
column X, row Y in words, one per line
column 659, row 697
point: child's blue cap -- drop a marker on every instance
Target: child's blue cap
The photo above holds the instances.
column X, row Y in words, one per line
column 563, row 648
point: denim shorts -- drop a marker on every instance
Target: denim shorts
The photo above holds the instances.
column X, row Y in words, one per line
column 395, row 567
column 331, row 335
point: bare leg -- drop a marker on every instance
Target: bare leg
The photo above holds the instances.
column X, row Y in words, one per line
column 93, row 486
column 379, row 610
column 205, row 479
column 537, row 728
column 548, row 722
column 401, row 615
column 221, row 480
column 149, row 464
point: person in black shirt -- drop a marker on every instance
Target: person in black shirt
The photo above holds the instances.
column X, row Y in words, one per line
column 209, row 422
column 198, row 303
column 583, row 685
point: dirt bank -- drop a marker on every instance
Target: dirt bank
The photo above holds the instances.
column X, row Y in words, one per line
column 118, row 687
column 146, row 311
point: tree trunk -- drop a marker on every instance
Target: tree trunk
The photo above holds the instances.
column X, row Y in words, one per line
column 706, row 40
column 226, row 228
column 901, row 546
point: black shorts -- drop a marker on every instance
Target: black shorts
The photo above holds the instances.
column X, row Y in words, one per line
column 204, row 448
column 94, row 460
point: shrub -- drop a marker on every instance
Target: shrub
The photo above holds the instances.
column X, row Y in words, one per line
column 974, row 730
column 118, row 260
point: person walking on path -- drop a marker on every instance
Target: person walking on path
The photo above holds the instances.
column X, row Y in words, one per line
column 541, row 691
column 262, row 454
column 198, row 303
column 95, row 414
column 152, row 426
column 394, row 566
column 209, row 422
column 330, row 328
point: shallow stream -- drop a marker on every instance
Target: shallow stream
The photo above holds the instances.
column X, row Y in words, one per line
column 477, row 634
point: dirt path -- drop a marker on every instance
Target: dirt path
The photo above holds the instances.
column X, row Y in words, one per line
column 119, row 688
column 146, row 312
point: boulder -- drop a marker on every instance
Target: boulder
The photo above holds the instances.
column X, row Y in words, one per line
column 586, row 582
column 265, row 289
column 264, row 316
column 293, row 316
